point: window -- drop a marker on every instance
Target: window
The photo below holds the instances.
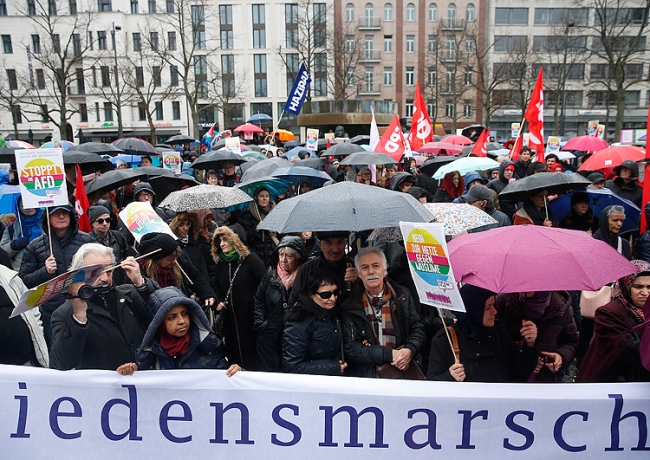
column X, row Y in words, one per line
column 156, row 76
column 76, row 45
column 101, row 39
column 104, row 5
column 432, row 44
column 451, row 15
column 228, row 75
column 198, row 27
column 470, row 12
column 7, row 47
column 561, row 16
column 106, row 75
column 108, row 111
column 449, row 108
column 159, row 111
column 320, row 23
column 369, row 80
column 369, row 11
column 169, row 6
column 410, row 76
column 134, row 7
column 388, row 12
column 31, row 7
column 369, row 47
column 509, row 71
column 83, row 113
column 558, row 44
column 91, row 42
column 94, row 74
column 510, row 43
column 349, row 43
column 36, row 44
column 410, row 12
column 467, row 109
column 511, row 16
column 173, row 75
column 139, row 77
column 408, row 108
column 81, row 82
column 142, row 111
column 451, row 48
column 410, row 43
column 469, row 76
column 469, row 45
column 56, row 43
column 617, row 43
column 171, row 41
column 388, row 43
column 137, row 41
column 350, row 77
column 97, row 115
column 432, row 76
column 259, row 69
column 451, row 79
column 293, row 65
column 16, row 114
column 3, row 7
column 40, row 79
column 152, row 6
column 432, row 108
column 291, row 25
column 349, row 12
column 153, row 39
column 388, row 76
column 201, row 75
column 432, row 12
column 72, row 4
column 225, row 27
column 555, row 71
column 176, row 110
column 620, row 16
column 51, row 7
column 44, row 113
column 259, row 26
column 13, row 80
column 320, row 74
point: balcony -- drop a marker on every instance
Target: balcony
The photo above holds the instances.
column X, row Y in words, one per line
column 370, row 23
column 370, row 56
column 449, row 56
column 370, row 88
column 452, row 23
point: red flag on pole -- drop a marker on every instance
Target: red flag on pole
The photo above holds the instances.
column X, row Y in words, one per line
column 646, row 178
column 392, row 142
column 514, row 153
column 421, row 130
column 81, row 203
column 480, row 148
column 535, row 116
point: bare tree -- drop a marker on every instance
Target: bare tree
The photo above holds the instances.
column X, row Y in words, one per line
column 346, row 45
column 12, row 95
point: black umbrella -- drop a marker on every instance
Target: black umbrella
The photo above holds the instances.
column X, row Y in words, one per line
column 164, row 147
column 135, row 146
column 316, row 163
column 71, row 157
column 264, row 168
column 164, row 185
column 368, row 158
column 361, row 139
column 473, row 132
column 554, row 183
column 215, row 160
column 222, row 143
column 432, row 164
column 7, row 155
column 155, row 171
column 114, row 179
column 180, row 139
column 342, row 149
column 99, row 148
column 291, row 144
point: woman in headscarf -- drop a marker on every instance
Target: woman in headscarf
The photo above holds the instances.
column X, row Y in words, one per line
column 238, row 275
column 451, row 187
column 261, row 242
column 581, row 216
column 186, row 227
column 272, row 299
column 613, row 355
column 25, row 228
column 611, row 221
column 487, row 353
column 535, row 211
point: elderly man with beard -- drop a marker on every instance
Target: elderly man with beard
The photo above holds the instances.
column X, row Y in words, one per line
column 384, row 326
column 104, row 329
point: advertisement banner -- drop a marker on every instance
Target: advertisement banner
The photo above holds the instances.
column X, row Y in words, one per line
column 173, row 161
column 233, row 145
column 515, row 127
column 312, row 139
column 140, row 218
column 592, row 127
column 201, row 414
column 428, row 256
column 42, row 178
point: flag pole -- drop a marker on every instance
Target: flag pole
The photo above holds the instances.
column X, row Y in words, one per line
column 521, row 133
column 49, row 231
column 444, row 326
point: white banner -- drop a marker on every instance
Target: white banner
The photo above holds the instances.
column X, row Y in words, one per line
column 42, row 178
column 196, row 414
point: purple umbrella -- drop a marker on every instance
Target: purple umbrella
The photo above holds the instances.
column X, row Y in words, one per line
column 524, row 258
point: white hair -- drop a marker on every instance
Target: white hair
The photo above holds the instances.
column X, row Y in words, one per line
column 370, row 250
column 91, row 248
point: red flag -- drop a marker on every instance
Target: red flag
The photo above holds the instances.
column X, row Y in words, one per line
column 480, row 148
column 329, row 143
column 392, row 142
column 421, row 130
column 211, row 130
column 535, row 117
column 81, row 203
column 514, row 153
column 646, row 179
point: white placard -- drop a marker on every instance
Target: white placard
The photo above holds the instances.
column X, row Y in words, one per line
column 42, row 178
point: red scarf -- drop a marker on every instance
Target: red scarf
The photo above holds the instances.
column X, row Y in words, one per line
column 165, row 276
column 173, row 346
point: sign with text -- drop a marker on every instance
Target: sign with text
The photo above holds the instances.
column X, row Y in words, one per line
column 515, row 128
column 233, row 145
column 42, row 178
column 312, row 139
column 553, row 145
column 592, row 127
column 172, row 160
column 140, row 218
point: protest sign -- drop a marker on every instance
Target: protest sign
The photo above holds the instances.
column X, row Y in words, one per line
column 172, row 160
column 600, row 133
column 592, row 127
column 426, row 249
column 312, row 139
column 552, row 145
column 330, row 136
column 526, row 139
column 233, row 145
column 514, row 127
column 140, row 218
column 42, row 178
column 627, row 136
column 638, row 134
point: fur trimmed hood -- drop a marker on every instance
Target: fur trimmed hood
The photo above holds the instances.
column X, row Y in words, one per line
column 230, row 236
column 193, row 220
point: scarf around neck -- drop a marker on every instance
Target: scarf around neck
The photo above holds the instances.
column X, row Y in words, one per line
column 537, row 215
column 286, row 278
column 380, row 317
column 230, row 256
column 173, row 346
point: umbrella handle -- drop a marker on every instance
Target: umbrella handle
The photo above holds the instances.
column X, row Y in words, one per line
column 546, row 207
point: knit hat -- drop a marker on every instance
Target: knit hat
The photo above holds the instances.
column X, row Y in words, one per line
column 152, row 241
column 477, row 193
column 95, row 211
column 119, row 163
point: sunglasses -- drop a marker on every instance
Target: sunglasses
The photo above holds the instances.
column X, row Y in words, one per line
column 327, row 294
column 100, row 221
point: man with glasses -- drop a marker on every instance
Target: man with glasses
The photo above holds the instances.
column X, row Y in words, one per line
column 100, row 219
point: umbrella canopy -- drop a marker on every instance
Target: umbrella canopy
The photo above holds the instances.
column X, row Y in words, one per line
column 284, row 135
column 473, row 132
column 275, row 186
column 260, row 118
column 437, row 147
column 179, row 139
column 296, row 174
column 265, row 168
column 114, row 179
column 342, row 149
column 20, row 145
column 432, row 164
column 360, row 139
column 135, row 146
column 248, row 128
column 611, row 157
column 71, row 157
column 7, row 155
column 297, row 150
column 131, row 159
column 8, row 196
column 65, row 145
column 164, row 146
column 585, row 143
column 250, row 162
column 99, row 148
column 368, row 158
column 465, row 165
column 459, row 217
column 164, row 185
column 556, row 182
column 204, row 197
column 215, row 160
column 457, row 139
column 155, row 171
column 599, row 199
column 525, row 258
column 561, row 154
column 316, row 163
column 346, row 206
column 291, row 144
column 254, row 155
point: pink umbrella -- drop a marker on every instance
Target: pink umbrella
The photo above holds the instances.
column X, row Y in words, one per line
column 248, row 128
column 585, row 143
column 20, row 145
column 457, row 139
column 524, row 258
column 436, row 147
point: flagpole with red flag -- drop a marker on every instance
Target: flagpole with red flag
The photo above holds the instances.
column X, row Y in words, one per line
column 519, row 141
column 81, row 203
column 646, row 178
column 480, row 148
column 421, row 129
column 535, row 116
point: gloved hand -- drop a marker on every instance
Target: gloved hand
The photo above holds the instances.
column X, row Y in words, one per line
column 19, row 243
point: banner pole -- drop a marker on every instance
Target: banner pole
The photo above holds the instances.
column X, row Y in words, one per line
column 521, row 133
column 137, row 258
column 451, row 344
column 49, row 230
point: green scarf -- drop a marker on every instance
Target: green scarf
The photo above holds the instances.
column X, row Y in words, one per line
column 231, row 256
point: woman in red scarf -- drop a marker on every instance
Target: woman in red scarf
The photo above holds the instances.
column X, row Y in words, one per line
column 451, row 187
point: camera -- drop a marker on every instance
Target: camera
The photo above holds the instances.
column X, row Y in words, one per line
column 87, row 292
column 547, row 359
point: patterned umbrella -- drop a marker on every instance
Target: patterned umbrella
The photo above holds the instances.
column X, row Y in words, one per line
column 65, row 145
column 205, row 197
column 135, row 146
column 295, row 174
column 20, row 145
column 465, row 165
column 264, row 168
column 275, row 186
column 458, row 218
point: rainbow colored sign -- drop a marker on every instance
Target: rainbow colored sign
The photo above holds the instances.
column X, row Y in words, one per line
column 41, row 177
column 140, row 218
column 426, row 250
column 172, row 160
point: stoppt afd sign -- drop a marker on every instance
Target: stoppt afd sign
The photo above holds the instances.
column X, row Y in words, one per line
column 172, row 160
column 42, row 178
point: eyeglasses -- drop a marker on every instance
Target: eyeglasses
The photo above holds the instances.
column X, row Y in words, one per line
column 145, row 194
column 100, row 221
column 327, row 294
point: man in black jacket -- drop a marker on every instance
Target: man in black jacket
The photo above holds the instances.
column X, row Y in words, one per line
column 100, row 219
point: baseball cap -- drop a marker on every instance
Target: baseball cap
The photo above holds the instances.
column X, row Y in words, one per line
column 477, row 193
column 596, row 177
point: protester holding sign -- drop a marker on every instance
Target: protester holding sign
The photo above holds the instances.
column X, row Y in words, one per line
column 26, row 228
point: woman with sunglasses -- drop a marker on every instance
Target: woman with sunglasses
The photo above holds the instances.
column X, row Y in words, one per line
column 100, row 219
column 312, row 342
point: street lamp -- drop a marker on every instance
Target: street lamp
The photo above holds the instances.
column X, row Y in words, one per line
column 564, row 77
column 120, row 128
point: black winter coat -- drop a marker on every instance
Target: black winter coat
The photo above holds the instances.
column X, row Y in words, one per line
column 631, row 191
column 312, row 339
column 196, row 254
column 261, row 242
column 271, row 301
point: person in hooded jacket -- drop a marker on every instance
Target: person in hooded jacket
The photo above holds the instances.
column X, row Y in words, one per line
column 178, row 337
column 186, row 227
column 402, row 181
column 506, row 176
column 451, row 187
column 26, row 228
column 556, row 329
column 487, row 353
column 261, row 242
column 39, row 265
column 610, row 223
column 272, row 301
column 581, row 216
column 643, row 244
column 471, row 179
column 145, row 192
column 626, row 184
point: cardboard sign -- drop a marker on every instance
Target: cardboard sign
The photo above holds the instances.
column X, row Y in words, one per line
column 233, row 145
column 553, row 145
column 515, row 127
column 627, row 136
column 140, row 218
column 42, row 178
column 312, row 139
column 173, row 161
column 592, row 127
column 600, row 133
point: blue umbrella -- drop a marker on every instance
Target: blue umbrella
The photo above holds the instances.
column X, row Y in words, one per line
column 131, row 159
column 8, row 196
column 260, row 118
column 599, row 199
column 295, row 174
column 275, row 186
column 294, row 152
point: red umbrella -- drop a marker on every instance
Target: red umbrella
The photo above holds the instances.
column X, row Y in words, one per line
column 586, row 143
column 457, row 139
column 611, row 157
column 436, row 147
column 248, row 128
